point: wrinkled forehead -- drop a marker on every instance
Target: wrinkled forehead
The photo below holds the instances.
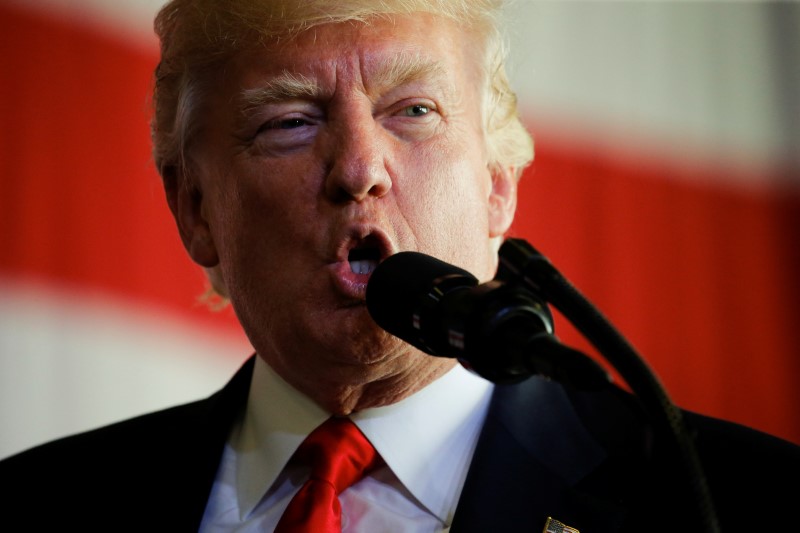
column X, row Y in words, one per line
column 382, row 53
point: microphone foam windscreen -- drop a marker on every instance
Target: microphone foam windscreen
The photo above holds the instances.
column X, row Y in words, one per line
column 398, row 285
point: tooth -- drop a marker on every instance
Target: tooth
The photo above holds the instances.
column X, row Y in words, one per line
column 363, row 266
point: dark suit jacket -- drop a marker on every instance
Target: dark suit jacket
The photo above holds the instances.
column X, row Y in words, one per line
column 586, row 459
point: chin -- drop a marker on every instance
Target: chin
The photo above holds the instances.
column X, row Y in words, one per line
column 378, row 347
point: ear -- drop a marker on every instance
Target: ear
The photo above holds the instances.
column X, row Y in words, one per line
column 186, row 203
column 502, row 200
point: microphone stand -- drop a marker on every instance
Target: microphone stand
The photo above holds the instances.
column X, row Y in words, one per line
column 522, row 264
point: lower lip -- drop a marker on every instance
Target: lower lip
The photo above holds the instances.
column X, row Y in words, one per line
column 349, row 283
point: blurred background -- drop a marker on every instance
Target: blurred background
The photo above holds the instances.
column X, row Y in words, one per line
column 666, row 187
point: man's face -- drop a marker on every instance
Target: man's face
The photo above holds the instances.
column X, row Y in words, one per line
column 321, row 156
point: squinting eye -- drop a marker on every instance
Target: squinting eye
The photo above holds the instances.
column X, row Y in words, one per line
column 284, row 124
column 417, row 110
column 287, row 124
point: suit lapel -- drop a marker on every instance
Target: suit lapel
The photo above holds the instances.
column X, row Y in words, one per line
column 531, row 457
column 197, row 453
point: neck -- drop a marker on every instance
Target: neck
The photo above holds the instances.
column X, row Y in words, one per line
column 346, row 389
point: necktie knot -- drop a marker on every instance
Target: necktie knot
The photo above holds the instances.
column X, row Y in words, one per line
column 339, row 455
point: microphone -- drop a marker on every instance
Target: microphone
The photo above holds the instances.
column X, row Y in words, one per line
column 500, row 331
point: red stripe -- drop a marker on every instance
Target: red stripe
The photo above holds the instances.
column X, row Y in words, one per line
column 80, row 201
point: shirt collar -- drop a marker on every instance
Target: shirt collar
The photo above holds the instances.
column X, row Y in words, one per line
column 432, row 431
column 431, row 435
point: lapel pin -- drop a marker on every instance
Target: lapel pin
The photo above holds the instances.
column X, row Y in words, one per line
column 554, row 526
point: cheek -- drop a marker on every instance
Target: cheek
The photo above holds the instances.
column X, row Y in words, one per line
column 445, row 202
column 257, row 215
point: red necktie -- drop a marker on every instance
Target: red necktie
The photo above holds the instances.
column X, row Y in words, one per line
column 339, row 455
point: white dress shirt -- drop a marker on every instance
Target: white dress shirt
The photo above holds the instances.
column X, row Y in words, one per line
column 427, row 442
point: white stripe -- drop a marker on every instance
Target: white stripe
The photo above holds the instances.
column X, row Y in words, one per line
column 70, row 361
column 689, row 77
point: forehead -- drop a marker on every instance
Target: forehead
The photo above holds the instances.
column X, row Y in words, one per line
column 379, row 52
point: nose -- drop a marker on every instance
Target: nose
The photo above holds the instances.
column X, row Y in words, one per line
column 358, row 168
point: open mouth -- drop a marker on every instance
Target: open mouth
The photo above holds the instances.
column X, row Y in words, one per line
column 364, row 257
column 357, row 257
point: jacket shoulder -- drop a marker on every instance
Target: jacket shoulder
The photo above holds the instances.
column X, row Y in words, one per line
column 161, row 465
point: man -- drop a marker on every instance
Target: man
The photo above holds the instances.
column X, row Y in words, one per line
column 300, row 144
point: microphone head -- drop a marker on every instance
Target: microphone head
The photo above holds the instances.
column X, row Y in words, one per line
column 403, row 284
column 442, row 310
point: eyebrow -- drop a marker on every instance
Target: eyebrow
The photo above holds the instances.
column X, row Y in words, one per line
column 405, row 68
column 285, row 86
column 394, row 72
